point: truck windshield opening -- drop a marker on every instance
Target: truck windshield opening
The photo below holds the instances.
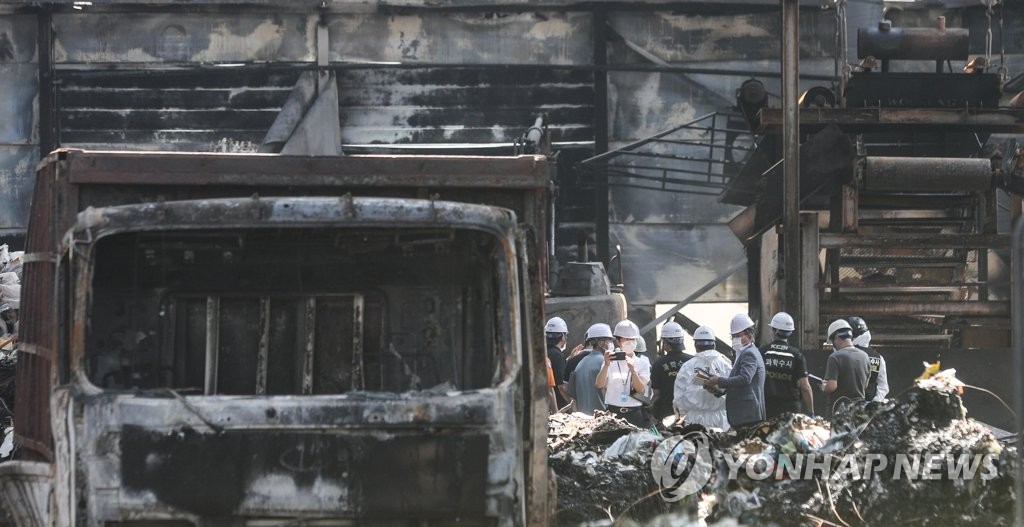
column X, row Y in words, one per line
column 298, row 311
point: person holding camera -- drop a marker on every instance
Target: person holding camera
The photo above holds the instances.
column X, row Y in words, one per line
column 623, row 375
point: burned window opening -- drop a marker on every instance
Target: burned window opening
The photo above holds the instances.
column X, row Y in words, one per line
column 297, row 311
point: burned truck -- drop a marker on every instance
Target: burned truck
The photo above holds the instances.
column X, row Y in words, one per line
column 235, row 339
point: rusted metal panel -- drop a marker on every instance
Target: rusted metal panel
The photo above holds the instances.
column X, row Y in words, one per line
column 538, row 37
column 177, row 37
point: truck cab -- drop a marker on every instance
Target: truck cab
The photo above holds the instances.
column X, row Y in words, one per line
column 321, row 358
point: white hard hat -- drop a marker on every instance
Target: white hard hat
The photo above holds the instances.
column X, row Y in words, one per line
column 739, row 323
column 838, row 325
column 671, row 330
column 704, row 333
column 556, row 325
column 626, row 330
column 599, row 331
column 782, row 321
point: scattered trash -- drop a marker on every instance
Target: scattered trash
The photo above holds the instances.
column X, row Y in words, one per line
column 603, row 469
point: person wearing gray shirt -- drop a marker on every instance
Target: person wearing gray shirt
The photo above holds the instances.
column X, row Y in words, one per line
column 583, row 380
column 848, row 368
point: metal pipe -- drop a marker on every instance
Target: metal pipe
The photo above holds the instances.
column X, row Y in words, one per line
column 1017, row 264
column 600, row 58
column 914, row 241
column 358, row 381
column 310, row 346
column 212, row 344
column 943, row 308
column 792, row 301
column 263, row 348
column 934, row 174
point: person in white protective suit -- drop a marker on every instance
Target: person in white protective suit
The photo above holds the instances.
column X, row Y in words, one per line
column 691, row 400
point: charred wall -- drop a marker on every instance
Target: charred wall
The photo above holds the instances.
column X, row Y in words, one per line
column 212, row 77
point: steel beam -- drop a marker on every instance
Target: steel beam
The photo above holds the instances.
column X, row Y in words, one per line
column 851, row 120
column 810, row 271
column 791, row 155
column 915, row 241
column 943, row 308
column 212, row 344
column 600, row 36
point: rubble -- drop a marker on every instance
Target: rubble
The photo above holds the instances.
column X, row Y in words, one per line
column 865, row 446
column 602, row 467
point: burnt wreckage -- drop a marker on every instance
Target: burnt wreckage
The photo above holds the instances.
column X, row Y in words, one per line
column 355, row 346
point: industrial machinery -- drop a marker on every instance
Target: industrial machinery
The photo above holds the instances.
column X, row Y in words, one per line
column 901, row 174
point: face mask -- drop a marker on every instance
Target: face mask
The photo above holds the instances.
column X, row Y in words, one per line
column 737, row 343
column 629, row 346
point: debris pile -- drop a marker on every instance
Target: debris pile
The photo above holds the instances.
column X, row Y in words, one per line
column 602, row 466
column 915, row 459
